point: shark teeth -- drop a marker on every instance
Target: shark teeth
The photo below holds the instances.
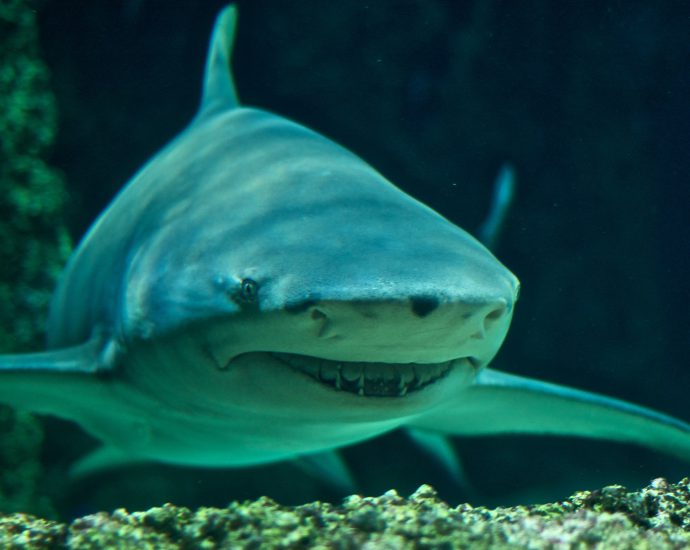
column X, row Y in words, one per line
column 368, row 379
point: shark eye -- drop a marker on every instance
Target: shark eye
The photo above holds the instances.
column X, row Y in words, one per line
column 248, row 290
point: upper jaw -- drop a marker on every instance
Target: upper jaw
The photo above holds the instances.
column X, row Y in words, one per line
column 369, row 379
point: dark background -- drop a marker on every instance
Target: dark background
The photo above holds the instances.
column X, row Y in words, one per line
column 590, row 102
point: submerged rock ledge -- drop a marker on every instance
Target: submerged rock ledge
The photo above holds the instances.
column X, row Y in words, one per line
column 657, row 516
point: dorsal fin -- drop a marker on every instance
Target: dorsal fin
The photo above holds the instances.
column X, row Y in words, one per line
column 219, row 89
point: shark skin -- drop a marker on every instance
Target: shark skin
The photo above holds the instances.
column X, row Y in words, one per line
column 257, row 292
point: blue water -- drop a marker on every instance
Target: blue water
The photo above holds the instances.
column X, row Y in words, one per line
column 587, row 100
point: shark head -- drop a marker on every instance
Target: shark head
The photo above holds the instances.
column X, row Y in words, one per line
column 323, row 274
column 285, row 261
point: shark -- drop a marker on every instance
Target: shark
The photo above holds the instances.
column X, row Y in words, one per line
column 257, row 293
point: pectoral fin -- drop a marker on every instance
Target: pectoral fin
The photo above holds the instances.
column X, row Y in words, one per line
column 82, row 359
column 64, row 382
column 501, row 403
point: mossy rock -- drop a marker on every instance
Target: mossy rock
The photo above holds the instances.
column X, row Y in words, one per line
column 34, row 244
column 33, row 237
column 658, row 516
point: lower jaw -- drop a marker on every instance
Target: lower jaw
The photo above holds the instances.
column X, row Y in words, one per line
column 370, row 379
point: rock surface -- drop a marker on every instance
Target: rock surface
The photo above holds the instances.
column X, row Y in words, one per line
column 657, row 516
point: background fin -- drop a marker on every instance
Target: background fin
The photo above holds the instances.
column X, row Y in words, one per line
column 330, row 468
column 504, row 191
column 219, row 89
column 441, row 449
column 502, row 403
column 101, row 460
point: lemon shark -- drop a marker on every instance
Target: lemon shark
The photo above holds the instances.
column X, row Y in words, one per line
column 257, row 293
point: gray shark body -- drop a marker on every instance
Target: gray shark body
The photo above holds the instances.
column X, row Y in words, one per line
column 257, row 292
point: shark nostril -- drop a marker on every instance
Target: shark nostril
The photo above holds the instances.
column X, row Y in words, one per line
column 494, row 315
column 317, row 315
column 322, row 324
column 423, row 305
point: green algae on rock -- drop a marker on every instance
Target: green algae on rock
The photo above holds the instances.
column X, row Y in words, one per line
column 33, row 238
column 20, row 464
column 657, row 516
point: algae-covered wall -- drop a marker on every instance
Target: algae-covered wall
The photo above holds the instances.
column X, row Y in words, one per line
column 33, row 238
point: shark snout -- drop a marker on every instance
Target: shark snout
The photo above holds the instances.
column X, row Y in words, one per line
column 487, row 317
column 420, row 329
column 491, row 318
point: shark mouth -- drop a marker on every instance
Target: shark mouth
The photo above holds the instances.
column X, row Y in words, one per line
column 368, row 379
